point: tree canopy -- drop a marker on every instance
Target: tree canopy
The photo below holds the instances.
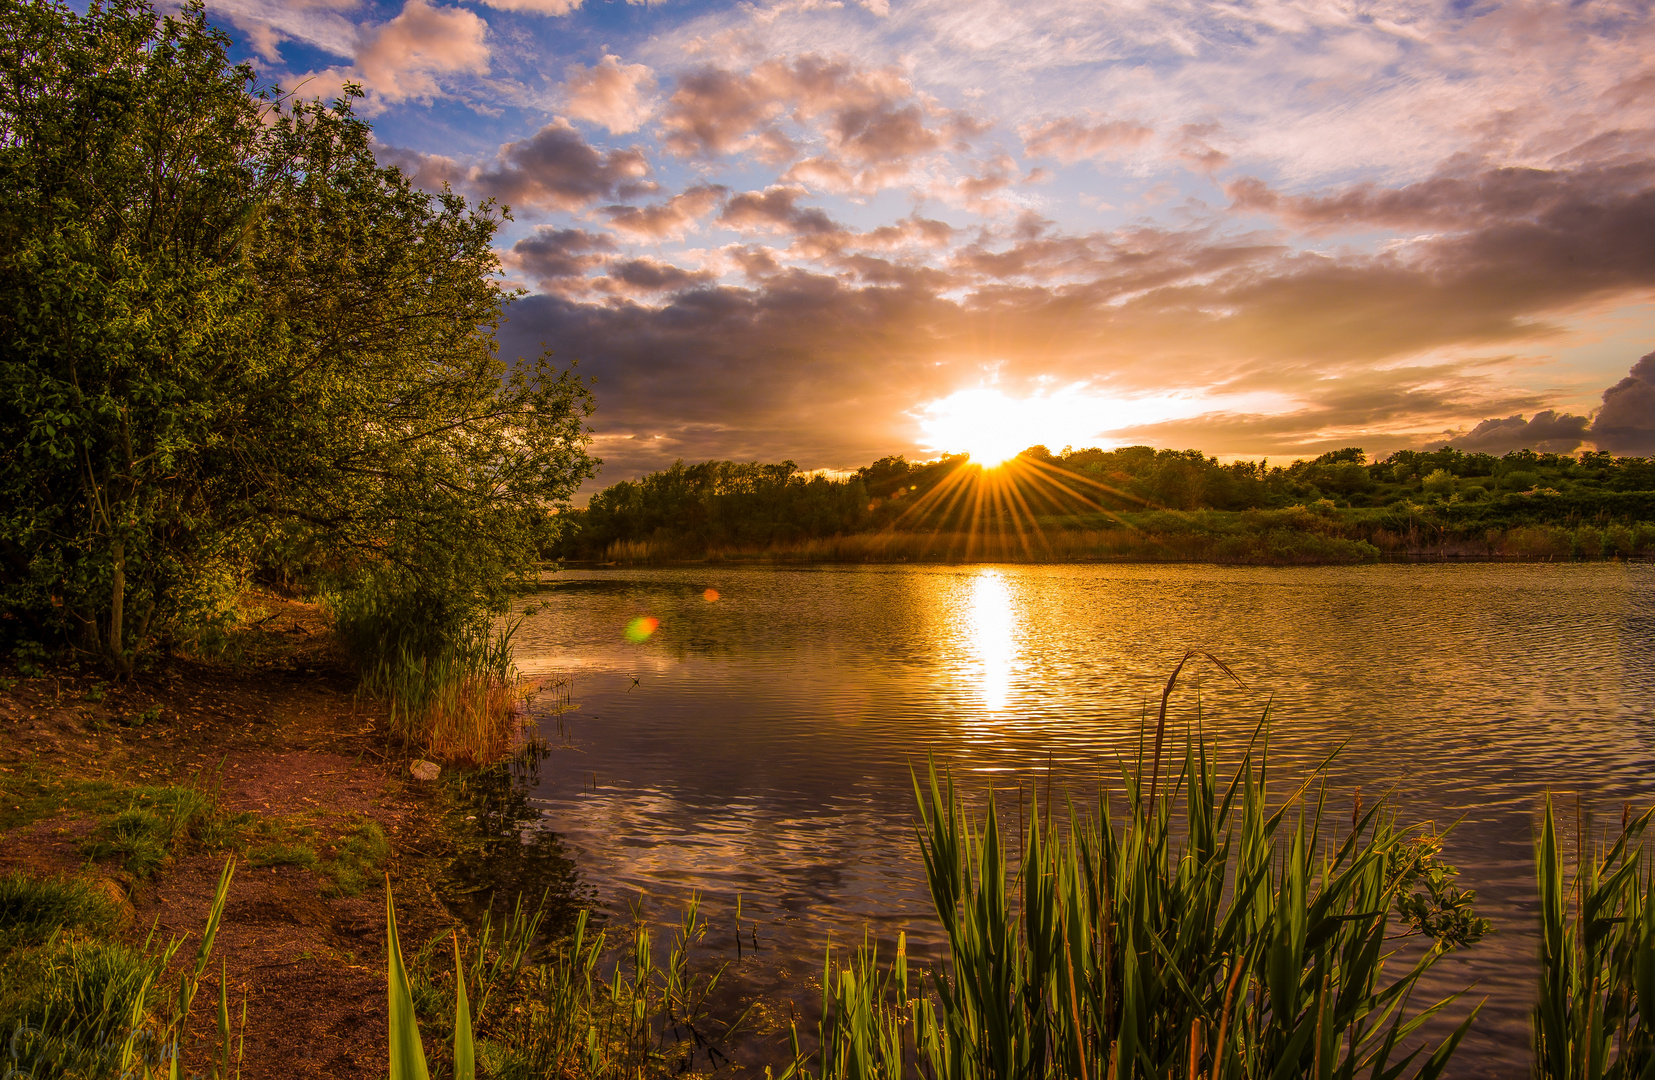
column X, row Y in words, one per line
column 230, row 339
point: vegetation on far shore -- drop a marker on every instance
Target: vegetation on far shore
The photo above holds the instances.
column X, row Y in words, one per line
column 1132, row 504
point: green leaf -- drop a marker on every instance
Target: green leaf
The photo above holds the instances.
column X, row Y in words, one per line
column 407, row 1054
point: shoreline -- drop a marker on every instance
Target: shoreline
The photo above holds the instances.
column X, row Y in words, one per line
column 295, row 780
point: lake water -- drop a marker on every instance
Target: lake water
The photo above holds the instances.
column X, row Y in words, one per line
column 760, row 744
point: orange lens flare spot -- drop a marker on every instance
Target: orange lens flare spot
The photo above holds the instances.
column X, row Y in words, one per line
column 640, row 629
column 711, row 596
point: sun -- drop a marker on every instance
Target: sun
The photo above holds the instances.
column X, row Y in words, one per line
column 994, row 428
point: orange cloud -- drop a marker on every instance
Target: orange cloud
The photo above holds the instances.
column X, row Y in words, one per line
column 668, row 220
column 1069, row 138
column 401, row 59
column 609, row 93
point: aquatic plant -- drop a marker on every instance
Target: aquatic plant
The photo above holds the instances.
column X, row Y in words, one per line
column 458, row 703
column 561, row 1016
column 1596, row 988
column 1200, row 934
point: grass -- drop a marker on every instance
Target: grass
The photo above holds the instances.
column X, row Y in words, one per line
column 1276, row 546
column 74, row 1003
column 33, row 909
column 144, row 835
column 1280, row 537
column 356, row 859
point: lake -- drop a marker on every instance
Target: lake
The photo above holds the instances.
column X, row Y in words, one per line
column 759, row 744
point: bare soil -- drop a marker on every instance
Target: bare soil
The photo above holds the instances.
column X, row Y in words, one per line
column 277, row 733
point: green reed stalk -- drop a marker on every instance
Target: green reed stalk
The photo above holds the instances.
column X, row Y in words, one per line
column 1242, row 944
column 1597, row 964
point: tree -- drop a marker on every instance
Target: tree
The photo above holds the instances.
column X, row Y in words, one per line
column 225, row 331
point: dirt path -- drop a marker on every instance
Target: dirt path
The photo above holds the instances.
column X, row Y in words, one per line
column 296, row 765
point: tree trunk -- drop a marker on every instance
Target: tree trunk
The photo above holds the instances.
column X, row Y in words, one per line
column 117, row 602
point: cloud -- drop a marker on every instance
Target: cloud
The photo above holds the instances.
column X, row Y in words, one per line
column 1548, row 432
column 776, row 210
column 644, row 276
column 609, row 93
column 1463, row 196
column 668, row 220
column 537, row 7
column 872, row 123
column 400, row 60
column 1626, row 423
column 556, row 169
column 553, row 256
column 1069, row 138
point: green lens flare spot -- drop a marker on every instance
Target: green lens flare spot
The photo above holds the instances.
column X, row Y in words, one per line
column 640, row 629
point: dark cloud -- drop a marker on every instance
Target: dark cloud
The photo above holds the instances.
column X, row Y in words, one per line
column 1626, row 423
column 776, row 210
column 1456, row 200
column 871, row 122
column 645, row 275
column 551, row 254
column 556, row 169
column 1548, row 432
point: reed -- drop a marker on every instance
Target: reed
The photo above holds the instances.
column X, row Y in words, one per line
column 1596, row 988
column 459, row 703
column 1237, row 941
column 561, row 1016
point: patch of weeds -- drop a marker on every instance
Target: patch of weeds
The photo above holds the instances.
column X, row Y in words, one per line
column 30, row 658
column 96, row 694
column 6, row 684
column 65, row 1005
column 144, row 835
column 32, row 793
column 32, row 909
column 282, row 855
column 357, row 856
column 148, row 716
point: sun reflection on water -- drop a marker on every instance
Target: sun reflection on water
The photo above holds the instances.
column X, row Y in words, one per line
column 994, row 637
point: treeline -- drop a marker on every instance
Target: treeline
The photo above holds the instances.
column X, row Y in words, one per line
column 1133, row 503
column 688, row 510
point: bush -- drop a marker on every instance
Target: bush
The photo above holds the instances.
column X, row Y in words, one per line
column 1438, row 482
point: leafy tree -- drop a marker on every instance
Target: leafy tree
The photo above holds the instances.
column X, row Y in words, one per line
column 227, row 335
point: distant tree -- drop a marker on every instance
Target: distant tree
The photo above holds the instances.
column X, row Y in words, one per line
column 226, row 331
column 1438, row 482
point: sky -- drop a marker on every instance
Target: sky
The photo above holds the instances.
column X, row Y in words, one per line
column 833, row 230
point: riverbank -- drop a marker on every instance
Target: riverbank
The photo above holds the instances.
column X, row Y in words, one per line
column 145, row 789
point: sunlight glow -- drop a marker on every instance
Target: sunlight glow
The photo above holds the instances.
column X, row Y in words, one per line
column 994, row 428
column 993, row 637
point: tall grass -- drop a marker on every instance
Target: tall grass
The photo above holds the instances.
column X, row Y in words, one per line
column 563, row 1016
column 445, row 669
column 1237, row 941
column 1595, row 1004
column 459, row 704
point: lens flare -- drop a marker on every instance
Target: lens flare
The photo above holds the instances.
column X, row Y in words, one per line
column 711, row 596
column 639, row 629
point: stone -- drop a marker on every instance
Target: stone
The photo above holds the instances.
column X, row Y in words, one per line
column 425, row 770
